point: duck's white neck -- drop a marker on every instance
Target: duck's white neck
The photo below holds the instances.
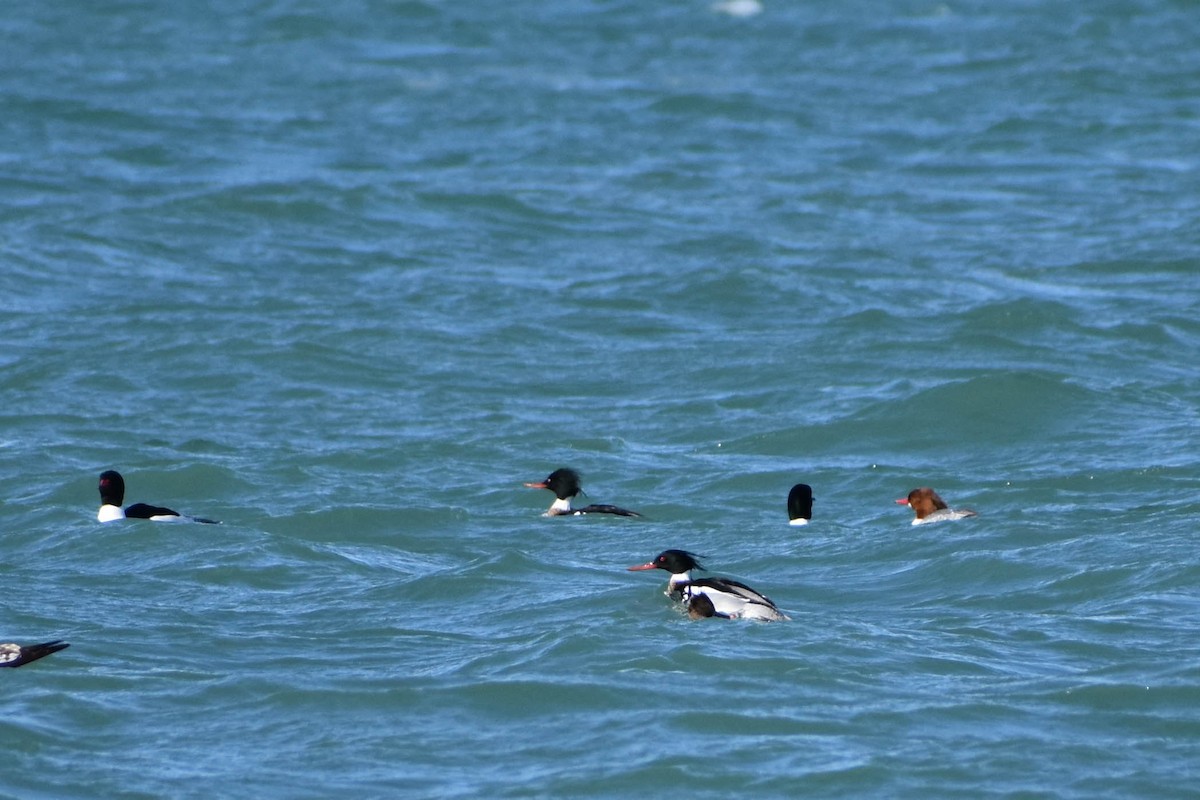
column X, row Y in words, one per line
column 682, row 577
column 109, row 512
column 559, row 506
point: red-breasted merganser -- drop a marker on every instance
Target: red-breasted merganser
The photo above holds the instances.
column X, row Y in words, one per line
column 14, row 655
column 800, row 500
column 565, row 484
column 112, row 494
column 931, row 508
column 729, row 598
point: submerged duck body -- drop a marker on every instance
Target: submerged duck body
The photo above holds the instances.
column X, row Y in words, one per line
column 15, row 655
column 929, row 507
column 565, row 484
column 727, row 597
column 112, row 495
column 701, row 607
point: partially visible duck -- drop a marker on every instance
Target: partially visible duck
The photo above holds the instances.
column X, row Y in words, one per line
column 700, row 607
column 15, row 655
column 728, row 597
column 800, row 500
column 112, row 495
column 565, row 484
column 929, row 507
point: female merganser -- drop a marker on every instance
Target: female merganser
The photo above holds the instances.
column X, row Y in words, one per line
column 565, row 485
column 112, row 494
column 800, row 500
column 931, row 508
column 14, row 655
column 700, row 607
column 728, row 597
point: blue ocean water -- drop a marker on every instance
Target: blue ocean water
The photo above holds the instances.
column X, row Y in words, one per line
column 346, row 275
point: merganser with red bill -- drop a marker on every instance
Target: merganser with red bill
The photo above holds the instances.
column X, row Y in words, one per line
column 800, row 500
column 112, row 494
column 728, row 597
column 565, row 484
column 929, row 507
column 15, row 655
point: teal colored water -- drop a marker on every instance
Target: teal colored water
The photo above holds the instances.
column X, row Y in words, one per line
column 345, row 275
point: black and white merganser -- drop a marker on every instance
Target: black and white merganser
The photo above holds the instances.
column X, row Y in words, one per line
column 728, row 597
column 14, row 655
column 800, row 500
column 931, row 508
column 112, row 494
column 565, row 484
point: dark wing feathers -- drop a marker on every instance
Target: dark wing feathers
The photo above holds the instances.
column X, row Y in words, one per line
column 600, row 508
column 143, row 511
column 33, row 652
column 734, row 587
